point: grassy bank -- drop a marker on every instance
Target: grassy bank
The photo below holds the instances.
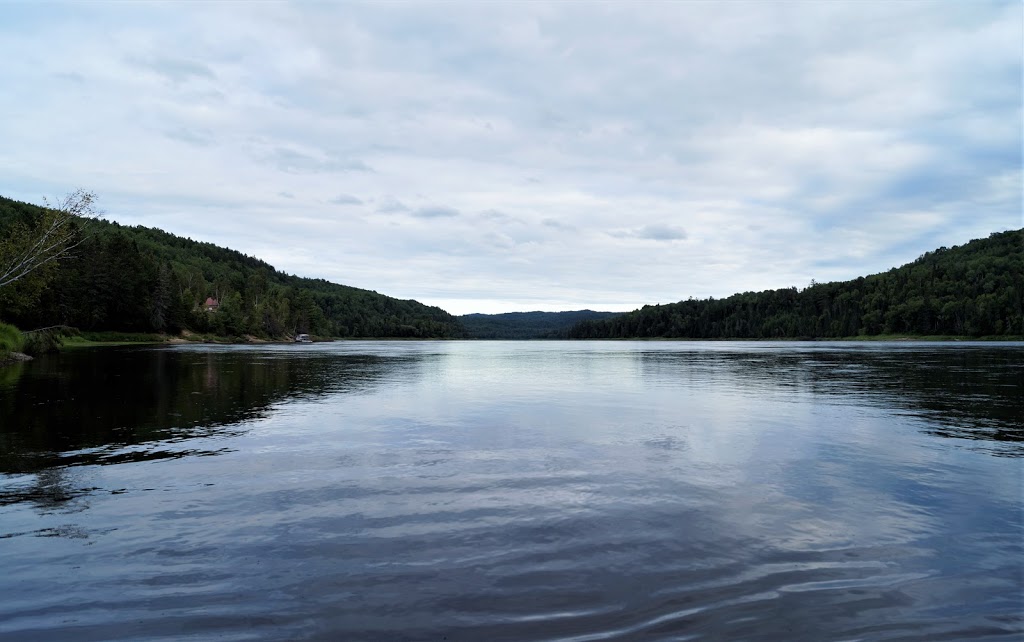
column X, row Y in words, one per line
column 97, row 339
column 70, row 343
column 11, row 340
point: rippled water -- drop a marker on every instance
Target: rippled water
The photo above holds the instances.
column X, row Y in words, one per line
column 514, row 491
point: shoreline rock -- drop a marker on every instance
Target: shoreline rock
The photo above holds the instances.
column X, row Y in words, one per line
column 14, row 357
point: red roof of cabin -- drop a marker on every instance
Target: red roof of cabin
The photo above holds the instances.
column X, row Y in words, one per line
column 211, row 301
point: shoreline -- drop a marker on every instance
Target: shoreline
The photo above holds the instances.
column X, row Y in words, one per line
column 15, row 357
column 865, row 338
column 126, row 339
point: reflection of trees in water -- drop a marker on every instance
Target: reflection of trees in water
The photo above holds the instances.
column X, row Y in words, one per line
column 964, row 392
column 51, row 488
column 111, row 406
column 131, row 405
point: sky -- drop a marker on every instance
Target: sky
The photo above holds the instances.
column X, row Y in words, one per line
column 499, row 156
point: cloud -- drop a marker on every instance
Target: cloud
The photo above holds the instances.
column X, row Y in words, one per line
column 499, row 217
column 502, row 241
column 346, row 199
column 191, row 136
column 69, row 76
column 652, row 232
column 295, row 161
column 555, row 224
column 391, row 205
column 436, row 212
column 176, row 70
column 660, row 232
column 574, row 151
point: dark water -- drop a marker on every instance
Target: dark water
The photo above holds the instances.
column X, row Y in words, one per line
column 514, row 491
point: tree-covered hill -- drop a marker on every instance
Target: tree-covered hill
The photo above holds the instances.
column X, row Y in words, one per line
column 976, row 289
column 527, row 325
column 139, row 279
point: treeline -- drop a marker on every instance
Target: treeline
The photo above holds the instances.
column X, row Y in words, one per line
column 976, row 289
column 527, row 325
column 138, row 279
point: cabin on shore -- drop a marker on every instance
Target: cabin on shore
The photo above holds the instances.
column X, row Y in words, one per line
column 211, row 305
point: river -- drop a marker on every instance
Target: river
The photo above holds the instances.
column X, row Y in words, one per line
column 568, row 491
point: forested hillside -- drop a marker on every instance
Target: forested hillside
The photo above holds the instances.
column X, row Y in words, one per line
column 527, row 325
column 976, row 289
column 140, row 279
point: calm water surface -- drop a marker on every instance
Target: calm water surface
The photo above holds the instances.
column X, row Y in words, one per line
column 514, row 491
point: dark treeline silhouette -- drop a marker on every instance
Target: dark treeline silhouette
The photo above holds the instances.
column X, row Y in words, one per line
column 137, row 279
column 976, row 289
column 527, row 325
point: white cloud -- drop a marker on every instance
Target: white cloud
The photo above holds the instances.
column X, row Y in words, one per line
column 346, row 199
column 656, row 232
column 551, row 156
column 436, row 212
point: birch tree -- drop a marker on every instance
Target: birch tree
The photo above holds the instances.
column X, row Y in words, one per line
column 52, row 237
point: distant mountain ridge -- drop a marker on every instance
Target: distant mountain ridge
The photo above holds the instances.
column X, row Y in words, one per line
column 976, row 289
column 527, row 325
column 139, row 279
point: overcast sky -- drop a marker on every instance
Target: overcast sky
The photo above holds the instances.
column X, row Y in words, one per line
column 490, row 157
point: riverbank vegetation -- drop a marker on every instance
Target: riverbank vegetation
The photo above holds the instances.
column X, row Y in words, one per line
column 144, row 280
column 11, row 340
column 973, row 290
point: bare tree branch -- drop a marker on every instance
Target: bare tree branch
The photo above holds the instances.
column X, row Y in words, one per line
column 51, row 239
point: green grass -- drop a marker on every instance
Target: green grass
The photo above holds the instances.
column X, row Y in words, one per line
column 123, row 337
column 11, row 340
column 206, row 337
column 80, row 342
column 95, row 339
column 86, row 339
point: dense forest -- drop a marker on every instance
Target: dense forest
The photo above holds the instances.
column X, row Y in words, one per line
column 138, row 279
column 527, row 325
column 976, row 289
